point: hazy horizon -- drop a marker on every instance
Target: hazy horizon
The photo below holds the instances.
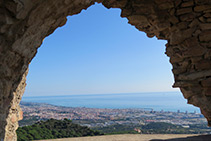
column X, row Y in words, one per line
column 104, row 93
column 168, row 101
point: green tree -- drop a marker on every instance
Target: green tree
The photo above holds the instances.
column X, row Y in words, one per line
column 52, row 129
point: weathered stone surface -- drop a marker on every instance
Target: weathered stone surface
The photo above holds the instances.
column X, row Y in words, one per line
column 166, row 5
column 178, row 37
column 203, row 65
column 208, row 91
column 185, row 24
column 187, row 4
column 206, row 82
column 195, row 75
column 138, row 20
column 202, row 8
column 205, row 26
column 205, row 35
column 187, row 17
column 187, row 92
column 184, row 11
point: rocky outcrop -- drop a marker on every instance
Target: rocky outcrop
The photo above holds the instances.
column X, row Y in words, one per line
column 185, row 24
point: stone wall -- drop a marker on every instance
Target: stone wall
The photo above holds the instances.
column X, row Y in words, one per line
column 185, row 24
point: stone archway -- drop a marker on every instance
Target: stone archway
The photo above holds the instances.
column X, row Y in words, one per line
column 186, row 25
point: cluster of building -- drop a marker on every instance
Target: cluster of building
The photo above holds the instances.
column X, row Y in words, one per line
column 95, row 117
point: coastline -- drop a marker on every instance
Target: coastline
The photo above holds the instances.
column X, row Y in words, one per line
column 165, row 101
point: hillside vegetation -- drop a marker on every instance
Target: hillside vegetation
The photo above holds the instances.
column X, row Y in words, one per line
column 52, row 129
column 154, row 128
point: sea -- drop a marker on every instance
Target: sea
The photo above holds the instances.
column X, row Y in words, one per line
column 157, row 101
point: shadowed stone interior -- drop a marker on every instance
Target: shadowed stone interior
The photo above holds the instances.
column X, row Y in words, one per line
column 185, row 24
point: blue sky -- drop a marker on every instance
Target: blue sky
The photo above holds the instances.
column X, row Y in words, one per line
column 98, row 52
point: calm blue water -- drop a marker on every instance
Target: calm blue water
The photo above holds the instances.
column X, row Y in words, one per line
column 167, row 101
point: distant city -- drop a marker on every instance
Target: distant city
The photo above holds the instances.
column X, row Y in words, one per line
column 105, row 117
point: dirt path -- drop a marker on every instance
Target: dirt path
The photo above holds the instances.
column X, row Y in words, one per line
column 139, row 137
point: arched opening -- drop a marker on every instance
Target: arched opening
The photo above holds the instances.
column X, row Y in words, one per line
column 91, row 49
column 102, row 54
column 185, row 25
column 122, row 60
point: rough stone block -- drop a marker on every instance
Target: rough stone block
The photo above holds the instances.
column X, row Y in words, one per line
column 194, row 75
column 208, row 91
column 202, row 19
column 194, row 51
column 173, row 20
column 178, row 37
column 126, row 12
column 187, row 93
column 207, row 15
column 205, row 26
column 206, row 82
column 196, row 59
column 205, row 35
column 194, row 23
column 209, row 20
column 187, row 17
column 187, row 4
column 182, row 26
column 184, row 11
column 203, row 64
column 202, row 8
column 176, row 59
column 178, row 71
column 115, row 3
column 138, row 20
column 166, row 5
column 161, row 1
column 177, row 2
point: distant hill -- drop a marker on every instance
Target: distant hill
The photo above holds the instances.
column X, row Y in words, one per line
column 52, row 129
